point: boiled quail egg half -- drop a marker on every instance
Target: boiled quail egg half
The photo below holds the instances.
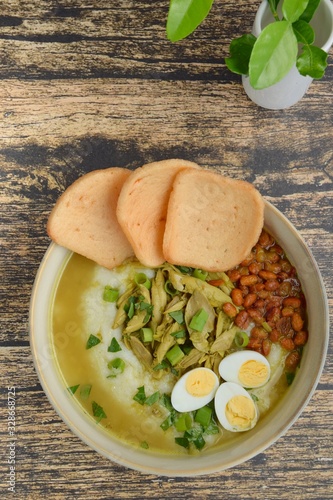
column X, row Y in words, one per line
column 234, row 408
column 194, row 389
column 249, row 369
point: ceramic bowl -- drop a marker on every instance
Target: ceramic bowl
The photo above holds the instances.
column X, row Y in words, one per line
column 246, row 445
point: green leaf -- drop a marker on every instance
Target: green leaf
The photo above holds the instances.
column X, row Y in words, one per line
column 273, row 55
column 304, row 32
column 312, row 62
column 153, row 398
column 114, row 345
column 98, row 411
column 293, row 9
column 85, row 391
column 92, row 341
column 310, row 10
column 240, row 53
column 184, row 442
column 140, row 396
column 73, row 388
column 185, row 16
column 178, row 316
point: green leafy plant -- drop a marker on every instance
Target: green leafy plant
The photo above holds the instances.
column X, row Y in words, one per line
column 268, row 58
column 286, row 41
column 185, row 16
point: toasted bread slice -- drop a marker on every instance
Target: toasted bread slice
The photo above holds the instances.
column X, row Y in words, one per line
column 212, row 221
column 84, row 218
column 142, row 207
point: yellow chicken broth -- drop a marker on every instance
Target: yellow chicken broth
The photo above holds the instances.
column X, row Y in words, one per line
column 78, row 312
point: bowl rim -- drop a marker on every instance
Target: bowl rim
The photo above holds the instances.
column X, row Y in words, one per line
column 97, row 438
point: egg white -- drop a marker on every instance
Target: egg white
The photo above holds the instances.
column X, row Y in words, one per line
column 182, row 401
column 223, row 395
column 230, row 366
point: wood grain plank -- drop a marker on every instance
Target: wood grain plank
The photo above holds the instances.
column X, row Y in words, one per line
column 97, row 84
column 124, row 40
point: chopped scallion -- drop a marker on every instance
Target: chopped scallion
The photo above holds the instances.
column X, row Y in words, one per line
column 152, row 399
column 241, row 339
column 168, row 422
column 267, row 327
column 166, row 402
column 183, row 422
column 185, row 269
column 199, row 320
column 110, row 294
column 142, row 279
column 117, row 366
column 212, row 428
column 92, row 341
column 174, row 355
column 201, row 275
column 169, row 288
column 203, row 416
column 199, row 443
column 144, row 445
column 146, row 335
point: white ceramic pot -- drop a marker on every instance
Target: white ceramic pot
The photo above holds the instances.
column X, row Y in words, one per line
column 293, row 86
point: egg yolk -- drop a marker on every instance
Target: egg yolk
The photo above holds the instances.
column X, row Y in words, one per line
column 240, row 412
column 253, row 373
column 200, row 383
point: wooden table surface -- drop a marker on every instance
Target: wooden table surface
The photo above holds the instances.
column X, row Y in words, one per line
column 93, row 84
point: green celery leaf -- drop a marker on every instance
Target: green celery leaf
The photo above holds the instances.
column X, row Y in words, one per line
column 199, row 443
column 304, row 32
column 240, row 53
column 98, row 411
column 293, row 9
column 310, row 10
column 152, row 399
column 140, row 396
column 273, row 55
column 178, row 316
column 182, row 442
column 185, row 16
column 92, row 341
column 73, row 388
column 312, row 62
column 85, row 391
column 114, row 345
